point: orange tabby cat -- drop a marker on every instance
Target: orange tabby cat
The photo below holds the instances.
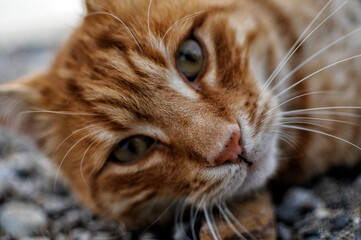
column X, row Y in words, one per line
column 155, row 102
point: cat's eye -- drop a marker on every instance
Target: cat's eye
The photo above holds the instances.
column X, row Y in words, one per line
column 131, row 149
column 190, row 58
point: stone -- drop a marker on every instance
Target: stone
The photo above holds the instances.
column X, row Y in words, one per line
column 102, row 225
column 358, row 234
column 35, row 238
column 312, row 234
column 60, row 189
column 256, row 216
column 340, row 222
column 21, row 219
column 358, row 181
column 357, row 220
column 284, row 232
column 3, row 190
column 60, row 237
column 312, row 238
column 296, row 202
column 56, row 206
column 69, row 221
column 80, row 234
column 102, row 236
column 4, row 143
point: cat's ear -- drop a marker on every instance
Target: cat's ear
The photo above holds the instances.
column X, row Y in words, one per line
column 94, row 6
column 17, row 100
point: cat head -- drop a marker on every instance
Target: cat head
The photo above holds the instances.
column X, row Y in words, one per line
column 151, row 103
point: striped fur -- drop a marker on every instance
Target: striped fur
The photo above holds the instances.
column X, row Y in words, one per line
column 116, row 77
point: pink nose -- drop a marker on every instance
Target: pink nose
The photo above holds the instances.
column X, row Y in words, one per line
column 233, row 152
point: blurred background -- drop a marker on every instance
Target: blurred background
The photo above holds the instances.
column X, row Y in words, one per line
column 30, row 32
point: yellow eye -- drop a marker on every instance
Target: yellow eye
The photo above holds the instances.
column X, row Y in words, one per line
column 131, row 149
column 190, row 58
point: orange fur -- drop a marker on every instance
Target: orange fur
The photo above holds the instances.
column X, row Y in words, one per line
column 116, row 77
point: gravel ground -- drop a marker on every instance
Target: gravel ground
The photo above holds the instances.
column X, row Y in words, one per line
column 32, row 204
column 329, row 209
column 35, row 207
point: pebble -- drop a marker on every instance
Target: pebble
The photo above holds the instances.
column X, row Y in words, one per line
column 284, row 232
column 296, row 202
column 34, row 238
column 358, row 181
column 80, row 234
column 71, row 220
column 312, row 234
column 3, row 191
column 56, row 206
column 102, row 236
column 22, row 219
column 340, row 223
column 357, row 221
column 358, row 234
column 311, row 238
column 102, row 225
column 61, row 237
column 4, row 144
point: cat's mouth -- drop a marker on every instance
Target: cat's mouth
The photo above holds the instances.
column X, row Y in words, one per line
column 240, row 159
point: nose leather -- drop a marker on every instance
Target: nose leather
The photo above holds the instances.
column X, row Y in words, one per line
column 232, row 151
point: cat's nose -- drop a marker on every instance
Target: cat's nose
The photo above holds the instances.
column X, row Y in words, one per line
column 233, row 152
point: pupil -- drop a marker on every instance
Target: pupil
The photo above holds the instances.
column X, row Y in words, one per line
column 131, row 147
column 190, row 58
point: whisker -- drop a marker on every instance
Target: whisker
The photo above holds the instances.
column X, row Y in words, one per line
column 219, row 202
column 318, row 71
column 59, row 113
column 305, row 122
column 98, row 5
column 179, row 226
column 235, row 230
column 194, row 217
column 182, row 217
column 322, row 133
column 75, row 132
column 66, row 155
column 160, row 216
column 176, row 217
column 294, row 140
column 288, row 139
column 182, row 20
column 317, row 109
column 342, row 114
column 292, row 145
column 292, row 50
column 213, row 221
column 82, row 162
column 297, row 97
column 192, row 222
column 209, row 223
column 322, row 119
column 314, row 56
column 148, row 19
column 121, row 21
column 234, row 219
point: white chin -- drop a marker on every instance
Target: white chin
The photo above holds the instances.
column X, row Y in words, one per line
column 262, row 171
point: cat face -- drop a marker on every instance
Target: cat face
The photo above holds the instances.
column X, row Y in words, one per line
column 148, row 105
